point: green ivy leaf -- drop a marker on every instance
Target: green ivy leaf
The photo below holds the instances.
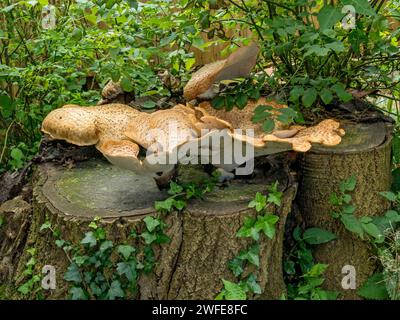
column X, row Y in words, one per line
column 236, row 266
column 175, row 188
column 148, row 237
column 253, row 285
column 151, row 223
column 267, row 224
column 233, row 291
column 78, row 294
column 73, row 274
column 126, row 251
column 89, row 239
column 259, row 203
column 115, row 290
column 128, row 269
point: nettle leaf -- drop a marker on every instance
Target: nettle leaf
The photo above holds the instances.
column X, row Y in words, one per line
column 89, row 239
column 151, row 223
column 352, row 224
column 126, row 251
column 309, row 97
column 362, row 6
column 326, row 95
column 318, row 236
column 372, row 230
column 336, row 46
column 287, row 115
column 233, row 291
column 342, row 93
column 126, row 84
column 393, row 216
column 317, row 50
column 241, row 100
column 268, row 125
column 218, row 102
column 328, row 16
column 374, row 288
column 296, row 93
column 261, row 113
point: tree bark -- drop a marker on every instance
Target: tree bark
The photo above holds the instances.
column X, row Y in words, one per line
column 365, row 153
column 203, row 237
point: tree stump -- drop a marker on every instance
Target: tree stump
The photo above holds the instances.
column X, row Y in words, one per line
column 203, row 236
column 365, row 152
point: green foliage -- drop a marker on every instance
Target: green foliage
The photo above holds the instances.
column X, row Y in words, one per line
column 382, row 232
column 371, row 227
column 100, row 269
column 31, row 279
column 253, row 228
column 318, row 236
column 374, row 288
column 180, row 194
column 93, row 41
column 315, row 59
column 302, row 276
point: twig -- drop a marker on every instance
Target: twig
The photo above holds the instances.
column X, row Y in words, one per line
column 5, row 141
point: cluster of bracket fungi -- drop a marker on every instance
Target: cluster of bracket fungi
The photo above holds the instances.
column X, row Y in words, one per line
column 118, row 130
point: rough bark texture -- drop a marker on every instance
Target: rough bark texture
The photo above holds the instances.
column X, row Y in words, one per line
column 15, row 218
column 366, row 154
column 203, row 238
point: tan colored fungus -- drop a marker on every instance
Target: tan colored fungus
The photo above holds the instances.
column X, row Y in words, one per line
column 238, row 64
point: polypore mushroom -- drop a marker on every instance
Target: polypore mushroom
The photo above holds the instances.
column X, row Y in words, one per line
column 117, row 131
column 238, row 64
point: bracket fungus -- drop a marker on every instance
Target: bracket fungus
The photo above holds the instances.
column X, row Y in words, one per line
column 238, row 64
column 186, row 133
